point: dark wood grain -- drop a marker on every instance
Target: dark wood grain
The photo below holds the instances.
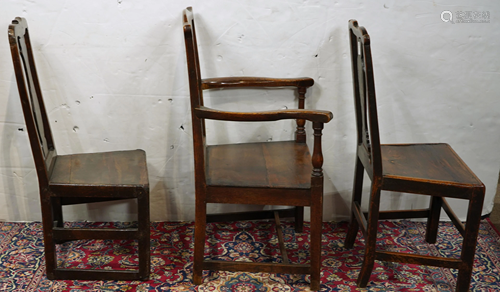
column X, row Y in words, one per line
column 272, row 165
column 279, row 232
column 77, row 178
column 300, row 133
column 254, row 215
column 436, row 163
column 432, row 169
column 264, row 116
column 261, row 82
column 258, row 196
column 281, row 173
column 104, row 168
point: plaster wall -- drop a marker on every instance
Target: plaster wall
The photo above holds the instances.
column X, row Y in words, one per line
column 113, row 76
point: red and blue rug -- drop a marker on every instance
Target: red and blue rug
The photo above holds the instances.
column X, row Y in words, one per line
column 22, row 264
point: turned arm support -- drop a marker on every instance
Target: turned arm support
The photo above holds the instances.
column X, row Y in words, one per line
column 242, row 82
column 310, row 115
column 317, row 157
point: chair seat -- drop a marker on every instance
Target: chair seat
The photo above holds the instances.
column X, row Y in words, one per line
column 436, row 163
column 117, row 168
column 284, row 164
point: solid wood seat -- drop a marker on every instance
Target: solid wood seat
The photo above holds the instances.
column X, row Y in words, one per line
column 426, row 169
column 119, row 169
column 285, row 164
column 279, row 173
column 77, row 178
column 426, row 164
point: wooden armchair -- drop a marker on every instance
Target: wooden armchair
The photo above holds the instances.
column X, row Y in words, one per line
column 269, row 173
column 426, row 169
column 77, row 178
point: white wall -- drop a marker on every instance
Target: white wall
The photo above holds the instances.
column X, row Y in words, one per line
column 113, row 76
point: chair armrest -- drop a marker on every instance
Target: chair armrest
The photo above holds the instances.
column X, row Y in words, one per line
column 240, row 82
column 310, row 115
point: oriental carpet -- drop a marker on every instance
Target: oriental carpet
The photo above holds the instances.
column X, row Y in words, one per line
column 22, row 264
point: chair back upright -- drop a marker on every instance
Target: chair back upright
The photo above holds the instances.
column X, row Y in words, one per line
column 368, row 139
column 35, row 115
column 196, row 94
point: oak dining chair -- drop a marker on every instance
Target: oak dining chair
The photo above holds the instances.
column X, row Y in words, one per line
column 431, row 169
column 77, row 178
column 263, row 173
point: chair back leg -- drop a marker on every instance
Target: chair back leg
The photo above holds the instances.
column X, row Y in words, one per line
column 199, row 239
column 299, row 219
column 433, row 219
column 371, row 236
column 359, row 172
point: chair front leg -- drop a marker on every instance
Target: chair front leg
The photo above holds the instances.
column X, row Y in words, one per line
column 470, row 240
column 144, row 236
column 316, row 208
column 316, row 231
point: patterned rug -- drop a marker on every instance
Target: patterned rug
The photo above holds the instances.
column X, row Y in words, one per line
column 22, row 265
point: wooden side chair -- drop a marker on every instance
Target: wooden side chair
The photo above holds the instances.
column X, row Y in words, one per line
column 269, row 173
column 426, row 169
column 77, row 178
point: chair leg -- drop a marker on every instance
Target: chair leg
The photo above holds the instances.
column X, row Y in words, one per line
column 470, row 240
column 144, row 237
column 199, row 239
column 299, row 219
column 371, row 238
column 315, row 236
column 48, row 241
column 433, row 220
column 57, row 212
column 356, row 197
column 57, row 216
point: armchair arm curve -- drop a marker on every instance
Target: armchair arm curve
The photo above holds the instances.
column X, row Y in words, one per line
column 318, row 116
column 241, row 82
